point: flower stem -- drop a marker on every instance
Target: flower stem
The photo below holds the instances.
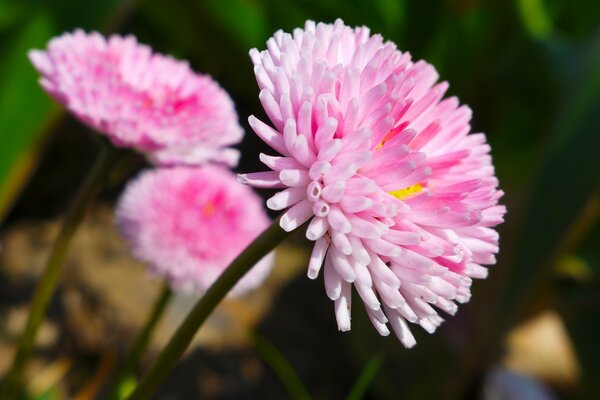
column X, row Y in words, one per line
column 142, row 340
column 13, row 384
column 167, row 359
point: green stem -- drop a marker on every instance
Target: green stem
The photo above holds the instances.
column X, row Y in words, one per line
column 281, row 366
column 167, row 359
column 13, row 384
column 142, row 340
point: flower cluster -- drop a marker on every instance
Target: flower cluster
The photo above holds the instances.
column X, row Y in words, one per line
column 400, row 197
column 140, row 99
column 188, row 219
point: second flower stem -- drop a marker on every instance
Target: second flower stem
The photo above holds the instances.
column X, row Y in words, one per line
column 13, row 384
column 169, row 356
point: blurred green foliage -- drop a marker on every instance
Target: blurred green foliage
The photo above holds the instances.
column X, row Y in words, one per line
column 530, row 70
column 27, row 114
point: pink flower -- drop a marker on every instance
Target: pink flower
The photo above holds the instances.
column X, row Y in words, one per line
column 188, row 224
column 400, row 197
column 140, row 99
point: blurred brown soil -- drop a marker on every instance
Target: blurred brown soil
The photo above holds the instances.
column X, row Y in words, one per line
column 104, row 297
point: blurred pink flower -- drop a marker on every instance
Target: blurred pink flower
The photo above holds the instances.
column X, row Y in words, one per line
column 400, row 197
column 140, row 99
column 188, row 224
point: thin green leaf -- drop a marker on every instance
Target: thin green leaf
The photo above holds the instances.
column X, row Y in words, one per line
column 281, row 366
column 24, row 108
column 368, row 374
column 568, row 177
column 535, row 18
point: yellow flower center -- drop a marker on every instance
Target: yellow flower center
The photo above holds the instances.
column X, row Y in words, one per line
column 209, row 209
column 403, row 194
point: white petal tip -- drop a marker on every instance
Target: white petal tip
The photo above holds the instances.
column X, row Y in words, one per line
column 286, row 225
column 274, row 205
column 312, row 274
column 241, row 178
column 334, row 295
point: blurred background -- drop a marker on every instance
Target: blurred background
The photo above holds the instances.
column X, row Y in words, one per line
column 530, row 70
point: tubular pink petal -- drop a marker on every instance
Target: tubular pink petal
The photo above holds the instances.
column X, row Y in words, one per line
column 325, row 132
column 368, row 297
column 446, row 305
column 285, row 198
column 271, row 108
column 400, row 328
column 287, row 110
column 262, row 78
column 365, row 229
column 419, row 306
column 304, row 123
column 391, row 297
column 313, row 191
column 296, row 216
column 363, row 277
column 406, row 311
column 341, row 265
column 342, row 308
column 382, row 247
column 478, row 271
column 318, row 169
column 442, row 288
column 302, row 152
column 414, row 260
column 381, row 327
column 341, row 242
column 382, row 272
column 378, row 314
column 477, row 245
column 359, row 253
column 357, row 140
column 294, row 177
column 406, row 274
column 355, row 204
column 279, row 163
column 334, row 193
column 317, row 257
column 268, row 135
column 402, row 237
column 329, row 150
column 321, row 208
column 317, row 228
column 261, row 179
column 333, row 282
column 428, row 324
column 289, row 136
column 338, row 221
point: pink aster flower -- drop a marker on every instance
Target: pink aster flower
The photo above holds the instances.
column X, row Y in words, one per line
column 140, row 99
column 188, row 224
column 400, row 198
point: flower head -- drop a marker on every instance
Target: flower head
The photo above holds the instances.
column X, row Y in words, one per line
column 140, row 99
column 400, row 197
column 188, row 224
